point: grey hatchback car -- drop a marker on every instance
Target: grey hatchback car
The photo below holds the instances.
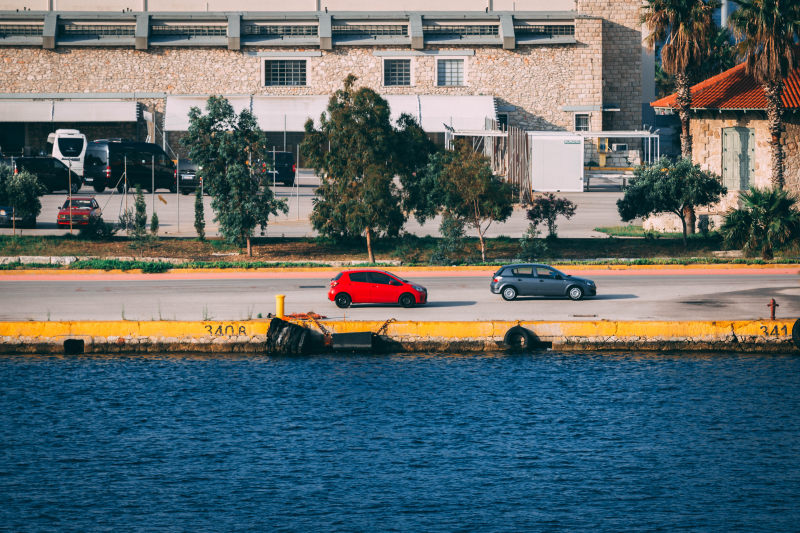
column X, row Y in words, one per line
column 531, row 279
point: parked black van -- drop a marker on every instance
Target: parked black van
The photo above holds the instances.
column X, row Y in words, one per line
column 284, row 168
column 117, row 162
column 52, row 173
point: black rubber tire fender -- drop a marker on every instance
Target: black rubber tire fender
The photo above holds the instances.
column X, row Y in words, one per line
column 796, row 333
column 518, row 338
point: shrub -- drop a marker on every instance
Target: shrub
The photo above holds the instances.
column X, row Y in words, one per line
column 531, row 246
column 546, row 208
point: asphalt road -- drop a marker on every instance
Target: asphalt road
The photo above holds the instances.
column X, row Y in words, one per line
column 453, row 296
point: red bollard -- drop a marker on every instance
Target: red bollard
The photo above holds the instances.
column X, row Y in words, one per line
column 772, row 305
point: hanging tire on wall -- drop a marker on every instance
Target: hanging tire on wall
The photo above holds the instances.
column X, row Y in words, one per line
column 518, row 338
column 796, row 333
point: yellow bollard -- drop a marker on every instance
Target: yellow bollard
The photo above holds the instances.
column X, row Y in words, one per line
column 279, row 305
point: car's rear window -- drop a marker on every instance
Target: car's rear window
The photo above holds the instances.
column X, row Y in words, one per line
column 70, row 147
column 284, row 158
column 96, row 156
column 339, row 275
column 360, row 277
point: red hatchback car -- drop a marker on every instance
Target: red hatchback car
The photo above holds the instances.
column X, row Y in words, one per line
column 374, row 287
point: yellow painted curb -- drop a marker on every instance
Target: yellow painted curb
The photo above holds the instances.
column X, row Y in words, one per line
column 630, row 331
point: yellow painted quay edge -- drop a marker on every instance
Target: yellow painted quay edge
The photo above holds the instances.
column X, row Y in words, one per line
column 251, row 335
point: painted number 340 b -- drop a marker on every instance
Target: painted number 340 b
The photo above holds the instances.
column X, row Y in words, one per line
column 228, row 330
column 775, row 331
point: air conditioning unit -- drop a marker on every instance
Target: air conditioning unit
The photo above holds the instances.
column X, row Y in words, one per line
column 619, row 147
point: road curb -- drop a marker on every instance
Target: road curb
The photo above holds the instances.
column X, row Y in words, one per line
column 250, row 336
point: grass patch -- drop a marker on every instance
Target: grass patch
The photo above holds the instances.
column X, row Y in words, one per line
column 637, row 231
column 149, row 267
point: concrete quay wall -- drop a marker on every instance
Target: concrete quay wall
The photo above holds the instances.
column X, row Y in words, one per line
column 133, row 337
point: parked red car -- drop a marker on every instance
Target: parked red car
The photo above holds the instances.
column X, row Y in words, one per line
column 83, row 209
column 374, row 287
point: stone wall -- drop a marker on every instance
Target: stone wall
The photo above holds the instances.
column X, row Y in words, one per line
column 622, row 59
column 537, row 80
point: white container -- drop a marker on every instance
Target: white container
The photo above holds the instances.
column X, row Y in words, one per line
column 556, row 161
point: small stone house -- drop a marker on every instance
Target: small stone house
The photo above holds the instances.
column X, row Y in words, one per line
column 730, row 136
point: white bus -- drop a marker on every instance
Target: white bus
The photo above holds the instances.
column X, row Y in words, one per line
column 69, row 146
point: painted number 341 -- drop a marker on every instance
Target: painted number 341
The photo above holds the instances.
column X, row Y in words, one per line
column 775, row 331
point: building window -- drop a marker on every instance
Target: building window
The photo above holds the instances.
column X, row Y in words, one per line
column 284, row 72
column 581, row 122
column 396, row 72
column 502, row 121
column 450, row 72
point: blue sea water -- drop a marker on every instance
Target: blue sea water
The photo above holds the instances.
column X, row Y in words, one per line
column 497, row 442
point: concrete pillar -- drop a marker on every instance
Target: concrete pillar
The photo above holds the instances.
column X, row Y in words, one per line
column 49, row 31
column 142, row 32
column 325, row 32
column 415, row 31
column 235, row 31
column 507, row 32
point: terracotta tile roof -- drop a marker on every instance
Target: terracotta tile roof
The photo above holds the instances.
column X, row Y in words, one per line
column 733, row 89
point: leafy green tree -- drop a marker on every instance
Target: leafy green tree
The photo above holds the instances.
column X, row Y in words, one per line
column 21, row 191
column 199, row 215
column 769, row 31
column 686, row 28
column 226, row 147
column 670, row 187
column 466, row 189
column 767, row 221
column 354, row 152
column 546, row 208
column 413, row 149
column 451, row 243
column 139, row 229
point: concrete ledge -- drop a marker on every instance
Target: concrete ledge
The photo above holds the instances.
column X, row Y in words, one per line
column 95, row 337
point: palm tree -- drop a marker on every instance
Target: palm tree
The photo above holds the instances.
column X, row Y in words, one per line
column 767, row 221
column 768, row 30
column 686, row 28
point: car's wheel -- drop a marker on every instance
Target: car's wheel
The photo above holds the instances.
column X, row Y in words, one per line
column 407, row 300
column 173, row 188
column 509, row 293
column 76, row 187
column 289, row 183
column 99, row 188
column 121, row 187
column 575, row 293
column 184, row 192
column 343, row 300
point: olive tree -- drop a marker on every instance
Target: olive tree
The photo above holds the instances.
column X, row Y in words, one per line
column 225, row 147
column 668, row 186
column 21, row 191
column 464, row 189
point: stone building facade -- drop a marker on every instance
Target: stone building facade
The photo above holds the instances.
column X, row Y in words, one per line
column 589, row 74
column 731, row 138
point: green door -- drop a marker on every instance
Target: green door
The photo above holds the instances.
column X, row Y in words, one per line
column 738, row 157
